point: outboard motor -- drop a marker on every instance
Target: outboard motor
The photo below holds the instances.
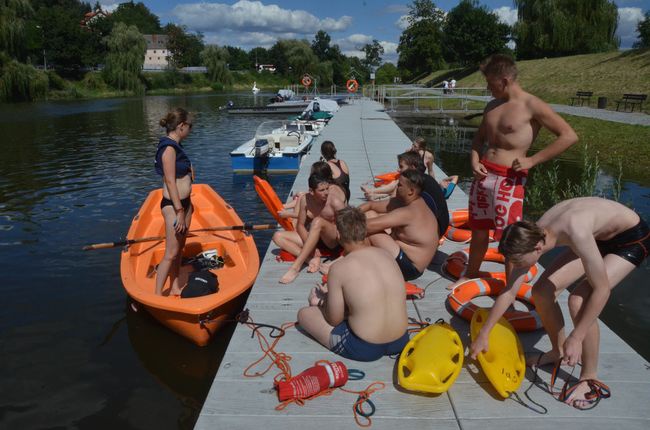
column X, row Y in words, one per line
column 262, row 147
column 316, row 107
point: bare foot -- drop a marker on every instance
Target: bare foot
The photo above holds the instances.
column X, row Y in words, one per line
column 578, row 397
column 325, row 268
column 365, row 188
column 543, row 358
column 290, row 276
column 314, row 265
column 458, row 282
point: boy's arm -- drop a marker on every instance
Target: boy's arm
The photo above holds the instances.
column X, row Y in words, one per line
column 585, row 247
column 394, row 218
column 334, row 305
column 379, row 207
column 514, row 279
column 479, row 169
column 550, row 120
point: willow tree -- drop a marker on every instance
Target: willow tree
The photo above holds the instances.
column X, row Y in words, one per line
column 554, row 28
column 13, row 14
column 215, row 59
column 126, row 49
column 643, row 28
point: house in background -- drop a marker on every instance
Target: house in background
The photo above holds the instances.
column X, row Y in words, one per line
column 157, row 55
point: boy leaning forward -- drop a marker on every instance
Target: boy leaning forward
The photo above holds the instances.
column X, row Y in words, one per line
column 510, row 124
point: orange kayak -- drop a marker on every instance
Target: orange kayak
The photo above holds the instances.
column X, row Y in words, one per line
column 198, row 319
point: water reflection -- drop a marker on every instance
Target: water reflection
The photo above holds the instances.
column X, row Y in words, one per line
column 73, row 173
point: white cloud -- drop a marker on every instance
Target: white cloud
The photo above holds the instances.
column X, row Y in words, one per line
column 402, row 22
column 109, row 6
column 506, row 14
column 254, row 16
column 628, row 18
column 389, row 47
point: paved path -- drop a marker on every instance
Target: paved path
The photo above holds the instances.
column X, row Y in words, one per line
column 368, row 140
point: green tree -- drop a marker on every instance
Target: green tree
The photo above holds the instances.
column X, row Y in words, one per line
column 643, row 28
column 126, row 49
column 321, row 46
column 301, row 58
column 239, row 59
column 139, row 15
column 13, row 14
column 373, row 52
column 555, row 28
column 185, row 48
column 20, row 82
column 386, row 74
column 420, row 45
column 471, row 33
column 258, row 56
column 215, row 58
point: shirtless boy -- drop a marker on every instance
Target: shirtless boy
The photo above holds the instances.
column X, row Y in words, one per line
column 361, row 313
column 510, row 124
column 315, row 226
column 413, row 238
column 605, row 241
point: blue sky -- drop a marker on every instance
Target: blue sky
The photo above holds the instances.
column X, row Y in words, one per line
column 350, row 24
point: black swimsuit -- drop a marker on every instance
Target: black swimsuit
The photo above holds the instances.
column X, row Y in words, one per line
column 343, row 180
column 185, row 203
column 632, row 245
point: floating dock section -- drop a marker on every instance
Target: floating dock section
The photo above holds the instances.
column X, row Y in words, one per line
column 368, row 140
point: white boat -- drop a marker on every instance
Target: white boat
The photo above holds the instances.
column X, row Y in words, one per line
column 255, row 89
column 278, row 146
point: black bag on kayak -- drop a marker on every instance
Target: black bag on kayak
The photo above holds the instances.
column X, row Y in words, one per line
column 200, row 284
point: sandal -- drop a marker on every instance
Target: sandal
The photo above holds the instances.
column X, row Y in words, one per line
column 598, row 390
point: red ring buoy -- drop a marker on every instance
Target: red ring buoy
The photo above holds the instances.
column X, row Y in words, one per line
column 459, row 217
column 306, row 81
column 272, row 202
column 456, row 262
column 352, row 85
column 463, row 235
column 460, row 300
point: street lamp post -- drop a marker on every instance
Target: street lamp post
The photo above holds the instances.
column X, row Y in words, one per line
column 43, row 44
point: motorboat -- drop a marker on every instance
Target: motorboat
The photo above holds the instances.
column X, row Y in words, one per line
column 277, row 147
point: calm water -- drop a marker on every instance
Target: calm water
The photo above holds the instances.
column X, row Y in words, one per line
column 72, row 352
column 627, row 310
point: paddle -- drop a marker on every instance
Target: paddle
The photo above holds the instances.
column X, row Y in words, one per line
column 246, row 227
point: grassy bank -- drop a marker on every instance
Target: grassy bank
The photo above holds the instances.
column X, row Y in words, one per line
column 555, row 80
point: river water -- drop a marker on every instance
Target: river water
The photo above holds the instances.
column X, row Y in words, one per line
column 72, row 353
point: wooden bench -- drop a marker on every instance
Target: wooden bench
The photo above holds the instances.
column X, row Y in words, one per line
column 632, row 100
column 581, row 96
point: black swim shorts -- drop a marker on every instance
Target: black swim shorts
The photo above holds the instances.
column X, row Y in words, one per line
column 409, row 271
column 632, row 245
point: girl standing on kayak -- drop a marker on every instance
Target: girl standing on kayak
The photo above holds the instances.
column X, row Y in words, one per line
column 176, row 169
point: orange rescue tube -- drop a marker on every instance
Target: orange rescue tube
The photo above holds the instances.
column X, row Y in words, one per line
column 463, row 235
column 460, row 300
column 386, row 178
column 459, row 217
column 272, row 202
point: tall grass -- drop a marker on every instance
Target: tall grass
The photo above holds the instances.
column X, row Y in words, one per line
column 546, row 188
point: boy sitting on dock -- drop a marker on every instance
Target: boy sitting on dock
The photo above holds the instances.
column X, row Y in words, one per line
column 315, row 228
column 510, row 124
column 413, row 238
column 604, row 241
column 361, row 313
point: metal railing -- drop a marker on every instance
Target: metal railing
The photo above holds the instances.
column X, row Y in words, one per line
column 418, row 98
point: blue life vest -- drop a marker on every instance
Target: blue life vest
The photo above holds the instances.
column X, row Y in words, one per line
column 183, row 164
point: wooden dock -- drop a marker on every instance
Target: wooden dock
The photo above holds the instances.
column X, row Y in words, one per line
column 368, row 140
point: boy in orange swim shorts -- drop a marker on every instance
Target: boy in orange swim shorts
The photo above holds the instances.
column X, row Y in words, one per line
column 499, row 157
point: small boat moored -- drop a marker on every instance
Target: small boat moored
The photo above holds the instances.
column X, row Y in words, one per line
column 278, row 147
column 199, row 318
